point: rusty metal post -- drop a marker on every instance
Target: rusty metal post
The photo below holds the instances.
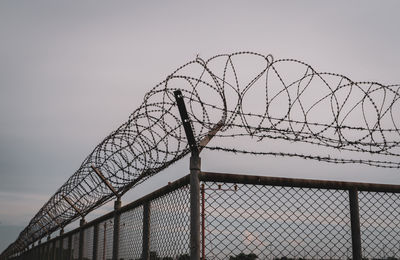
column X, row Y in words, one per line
column 195, row 166
column 146, row 231
column 81, row 238
column 95, row 240
column 355, row 224
column 117, row 216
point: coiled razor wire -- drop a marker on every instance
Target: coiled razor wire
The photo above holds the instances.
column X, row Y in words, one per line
column 250, row 96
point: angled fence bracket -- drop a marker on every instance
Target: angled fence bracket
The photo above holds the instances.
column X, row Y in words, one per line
column 43, row 227
column 73, row 206
column 186, row 123
column 105, row 181
column 54, row 219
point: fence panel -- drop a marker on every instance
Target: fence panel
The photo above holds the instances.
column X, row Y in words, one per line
column 169, row 225
column 105, row 239
column 56, row 253
column 88, row 243
column 380, row 224
column 65, row 249
column 75, row 245
column 273, row 222
column 131, row 233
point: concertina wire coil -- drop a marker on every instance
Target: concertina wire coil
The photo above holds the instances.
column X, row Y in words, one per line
column 252, row 97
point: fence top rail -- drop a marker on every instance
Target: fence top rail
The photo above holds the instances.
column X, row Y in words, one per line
column 299, row 183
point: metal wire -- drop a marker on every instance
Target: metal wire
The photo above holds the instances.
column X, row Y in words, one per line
column 131, row 234
column 75, row 246
column 65, row 252
column 88, row 243
column 169, row 225
column 253, row 97
column 105, row 239
column 380, row 225
column 276, row 222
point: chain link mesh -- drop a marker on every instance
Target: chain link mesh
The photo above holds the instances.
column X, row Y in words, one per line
column 105, row 239
column 273, row 222
column 169, row 225
column 244, row 222
column 380, row 225
column 65, row 251
column 75, row 246
column 88, row 243
column 131, row 234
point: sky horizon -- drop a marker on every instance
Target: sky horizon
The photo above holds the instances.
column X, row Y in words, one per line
column 72, row 72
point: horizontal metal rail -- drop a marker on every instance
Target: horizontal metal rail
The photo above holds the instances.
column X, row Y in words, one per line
column 300, row 183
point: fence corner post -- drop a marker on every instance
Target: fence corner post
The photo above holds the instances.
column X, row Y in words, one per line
column 355, row 224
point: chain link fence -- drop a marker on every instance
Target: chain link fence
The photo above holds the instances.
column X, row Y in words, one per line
column 241, row 218
column 275, row 222
column 380, row 224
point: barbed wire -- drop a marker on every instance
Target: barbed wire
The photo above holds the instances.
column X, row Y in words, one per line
column 254, row 97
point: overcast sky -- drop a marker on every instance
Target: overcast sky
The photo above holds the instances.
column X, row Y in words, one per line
column 72, row 71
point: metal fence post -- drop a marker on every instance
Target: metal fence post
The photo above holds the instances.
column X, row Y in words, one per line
column 41, row 247
column 95, row 240
column 69, row 251
column 35, row 253
column 54, row 255
column 61, row 244
column 195, row 165
column 146, row 231
column 43, row 251
column 355, row 224
column 46, row 249
column 117, row 215
column 39, row 250
column 81, row 238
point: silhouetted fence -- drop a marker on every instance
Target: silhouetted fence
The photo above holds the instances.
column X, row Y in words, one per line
column 242, row 217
